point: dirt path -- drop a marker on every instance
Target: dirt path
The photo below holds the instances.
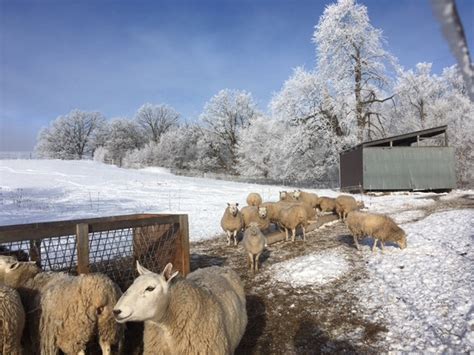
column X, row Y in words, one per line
column 305, row 320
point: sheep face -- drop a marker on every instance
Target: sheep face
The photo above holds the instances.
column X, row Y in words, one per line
column 401, row 239
column 282, row 195
column 297, row 194
column 6, row 262
column 147, row 298
column 262, row 212
column 233, row 208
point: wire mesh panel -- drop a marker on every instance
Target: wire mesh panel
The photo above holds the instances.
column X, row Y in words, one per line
column 108, row 245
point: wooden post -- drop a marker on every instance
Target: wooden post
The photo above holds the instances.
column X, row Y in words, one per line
column 445, row 138
column 184, row 243
column 82, row 244
column 417, row 141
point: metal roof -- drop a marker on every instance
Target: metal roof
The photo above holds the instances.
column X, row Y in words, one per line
column 403, row 139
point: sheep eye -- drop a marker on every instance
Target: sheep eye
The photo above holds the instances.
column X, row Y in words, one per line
column 149, row 288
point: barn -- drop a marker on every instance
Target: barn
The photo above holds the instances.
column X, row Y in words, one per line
column 412, row 161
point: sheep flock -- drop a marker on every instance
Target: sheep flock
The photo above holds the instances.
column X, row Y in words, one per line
column 203, row 313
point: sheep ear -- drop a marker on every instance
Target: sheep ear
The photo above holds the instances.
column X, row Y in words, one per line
column 167, row 272
column 14, row 266
column 236, row 203
column 142, row 270
column 228, row 204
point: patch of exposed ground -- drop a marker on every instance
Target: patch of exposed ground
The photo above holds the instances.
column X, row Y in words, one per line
column 312, row 319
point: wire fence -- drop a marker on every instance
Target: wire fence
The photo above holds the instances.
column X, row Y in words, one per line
column 109, row 245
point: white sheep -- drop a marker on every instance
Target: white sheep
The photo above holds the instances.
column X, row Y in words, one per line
column 344, row 205
column 254, row 242
column 286, row 196
column 232, row 222
column 12, row 321
column 258, row 215
column 205, row 313
column 382, row 228
column 291, row 218
column 326, row 204
column 254, row 199
column 307, row 197
column 66, row 312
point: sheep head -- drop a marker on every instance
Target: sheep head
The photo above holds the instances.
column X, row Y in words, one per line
column 147, row 298
column 401, row 239
column 283, row 195
column 262, row 212
column 233, row 208
column 297, row 194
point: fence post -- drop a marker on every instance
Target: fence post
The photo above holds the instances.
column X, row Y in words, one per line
column 82, row 244
column 184, row 243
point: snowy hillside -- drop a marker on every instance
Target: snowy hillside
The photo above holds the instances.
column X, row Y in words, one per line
column 46, row 190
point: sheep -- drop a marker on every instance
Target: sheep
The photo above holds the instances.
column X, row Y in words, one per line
column 12, row 321
column 232, row 221
column 254, row 199
column 292, row 217
column 344, row 205
column 204, row 313
column 66, row 312
column 382, row 228
column 254, row 242
column 286, row 196
column 255, row 214
column 306, row 197
column 326, row 204
column 21, row 255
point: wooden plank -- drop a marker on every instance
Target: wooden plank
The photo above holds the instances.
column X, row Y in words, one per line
column 280, row 236
column 82, row 238
column 184, row 244
column 37, row 231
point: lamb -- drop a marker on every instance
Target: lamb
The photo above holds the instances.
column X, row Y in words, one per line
column 66, row 312
column 306, row 197
column 254, row 242
column 382, row 228
column 292, row 217
column 256, row 214
column 204, row 313
column 326, row 204
column 232, row 221
column 254, row 199
column 12, row 321
column 346, row 204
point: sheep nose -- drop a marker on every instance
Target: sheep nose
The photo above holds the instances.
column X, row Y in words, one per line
column 117, row 311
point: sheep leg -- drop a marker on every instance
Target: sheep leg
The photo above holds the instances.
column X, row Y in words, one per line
column 286, row 233
column 382, row 246
column 105, row 347
column 235, row 238
column 256, row 261
column 228, row 238
column 250, row 261
column 293, row 234
column 375, row 244
column 304, row 233
column 356, row 242
column 82, row 352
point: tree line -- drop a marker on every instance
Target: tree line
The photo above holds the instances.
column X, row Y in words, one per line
column 357, row 91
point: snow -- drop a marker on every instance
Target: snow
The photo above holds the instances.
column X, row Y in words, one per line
column 311, row 270
column 425, row 292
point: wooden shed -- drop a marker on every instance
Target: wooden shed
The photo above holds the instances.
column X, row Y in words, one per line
column 399, row 163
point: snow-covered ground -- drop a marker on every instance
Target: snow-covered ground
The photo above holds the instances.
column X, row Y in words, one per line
column 424, row 293
column 45, row 190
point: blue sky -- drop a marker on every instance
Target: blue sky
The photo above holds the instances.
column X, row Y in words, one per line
column 112, row 56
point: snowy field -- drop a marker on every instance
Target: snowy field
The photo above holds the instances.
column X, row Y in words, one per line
column 423, row 293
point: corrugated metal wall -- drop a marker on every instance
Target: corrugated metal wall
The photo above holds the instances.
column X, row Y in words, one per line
column 408, row 168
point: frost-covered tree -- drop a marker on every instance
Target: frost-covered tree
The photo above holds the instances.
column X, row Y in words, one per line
column 353, row 63
column 258, row 148
column 123, row 135
column 425, row 100
column 71, row 136
column 223, row 117
column 178, row 147
column 156, row 120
